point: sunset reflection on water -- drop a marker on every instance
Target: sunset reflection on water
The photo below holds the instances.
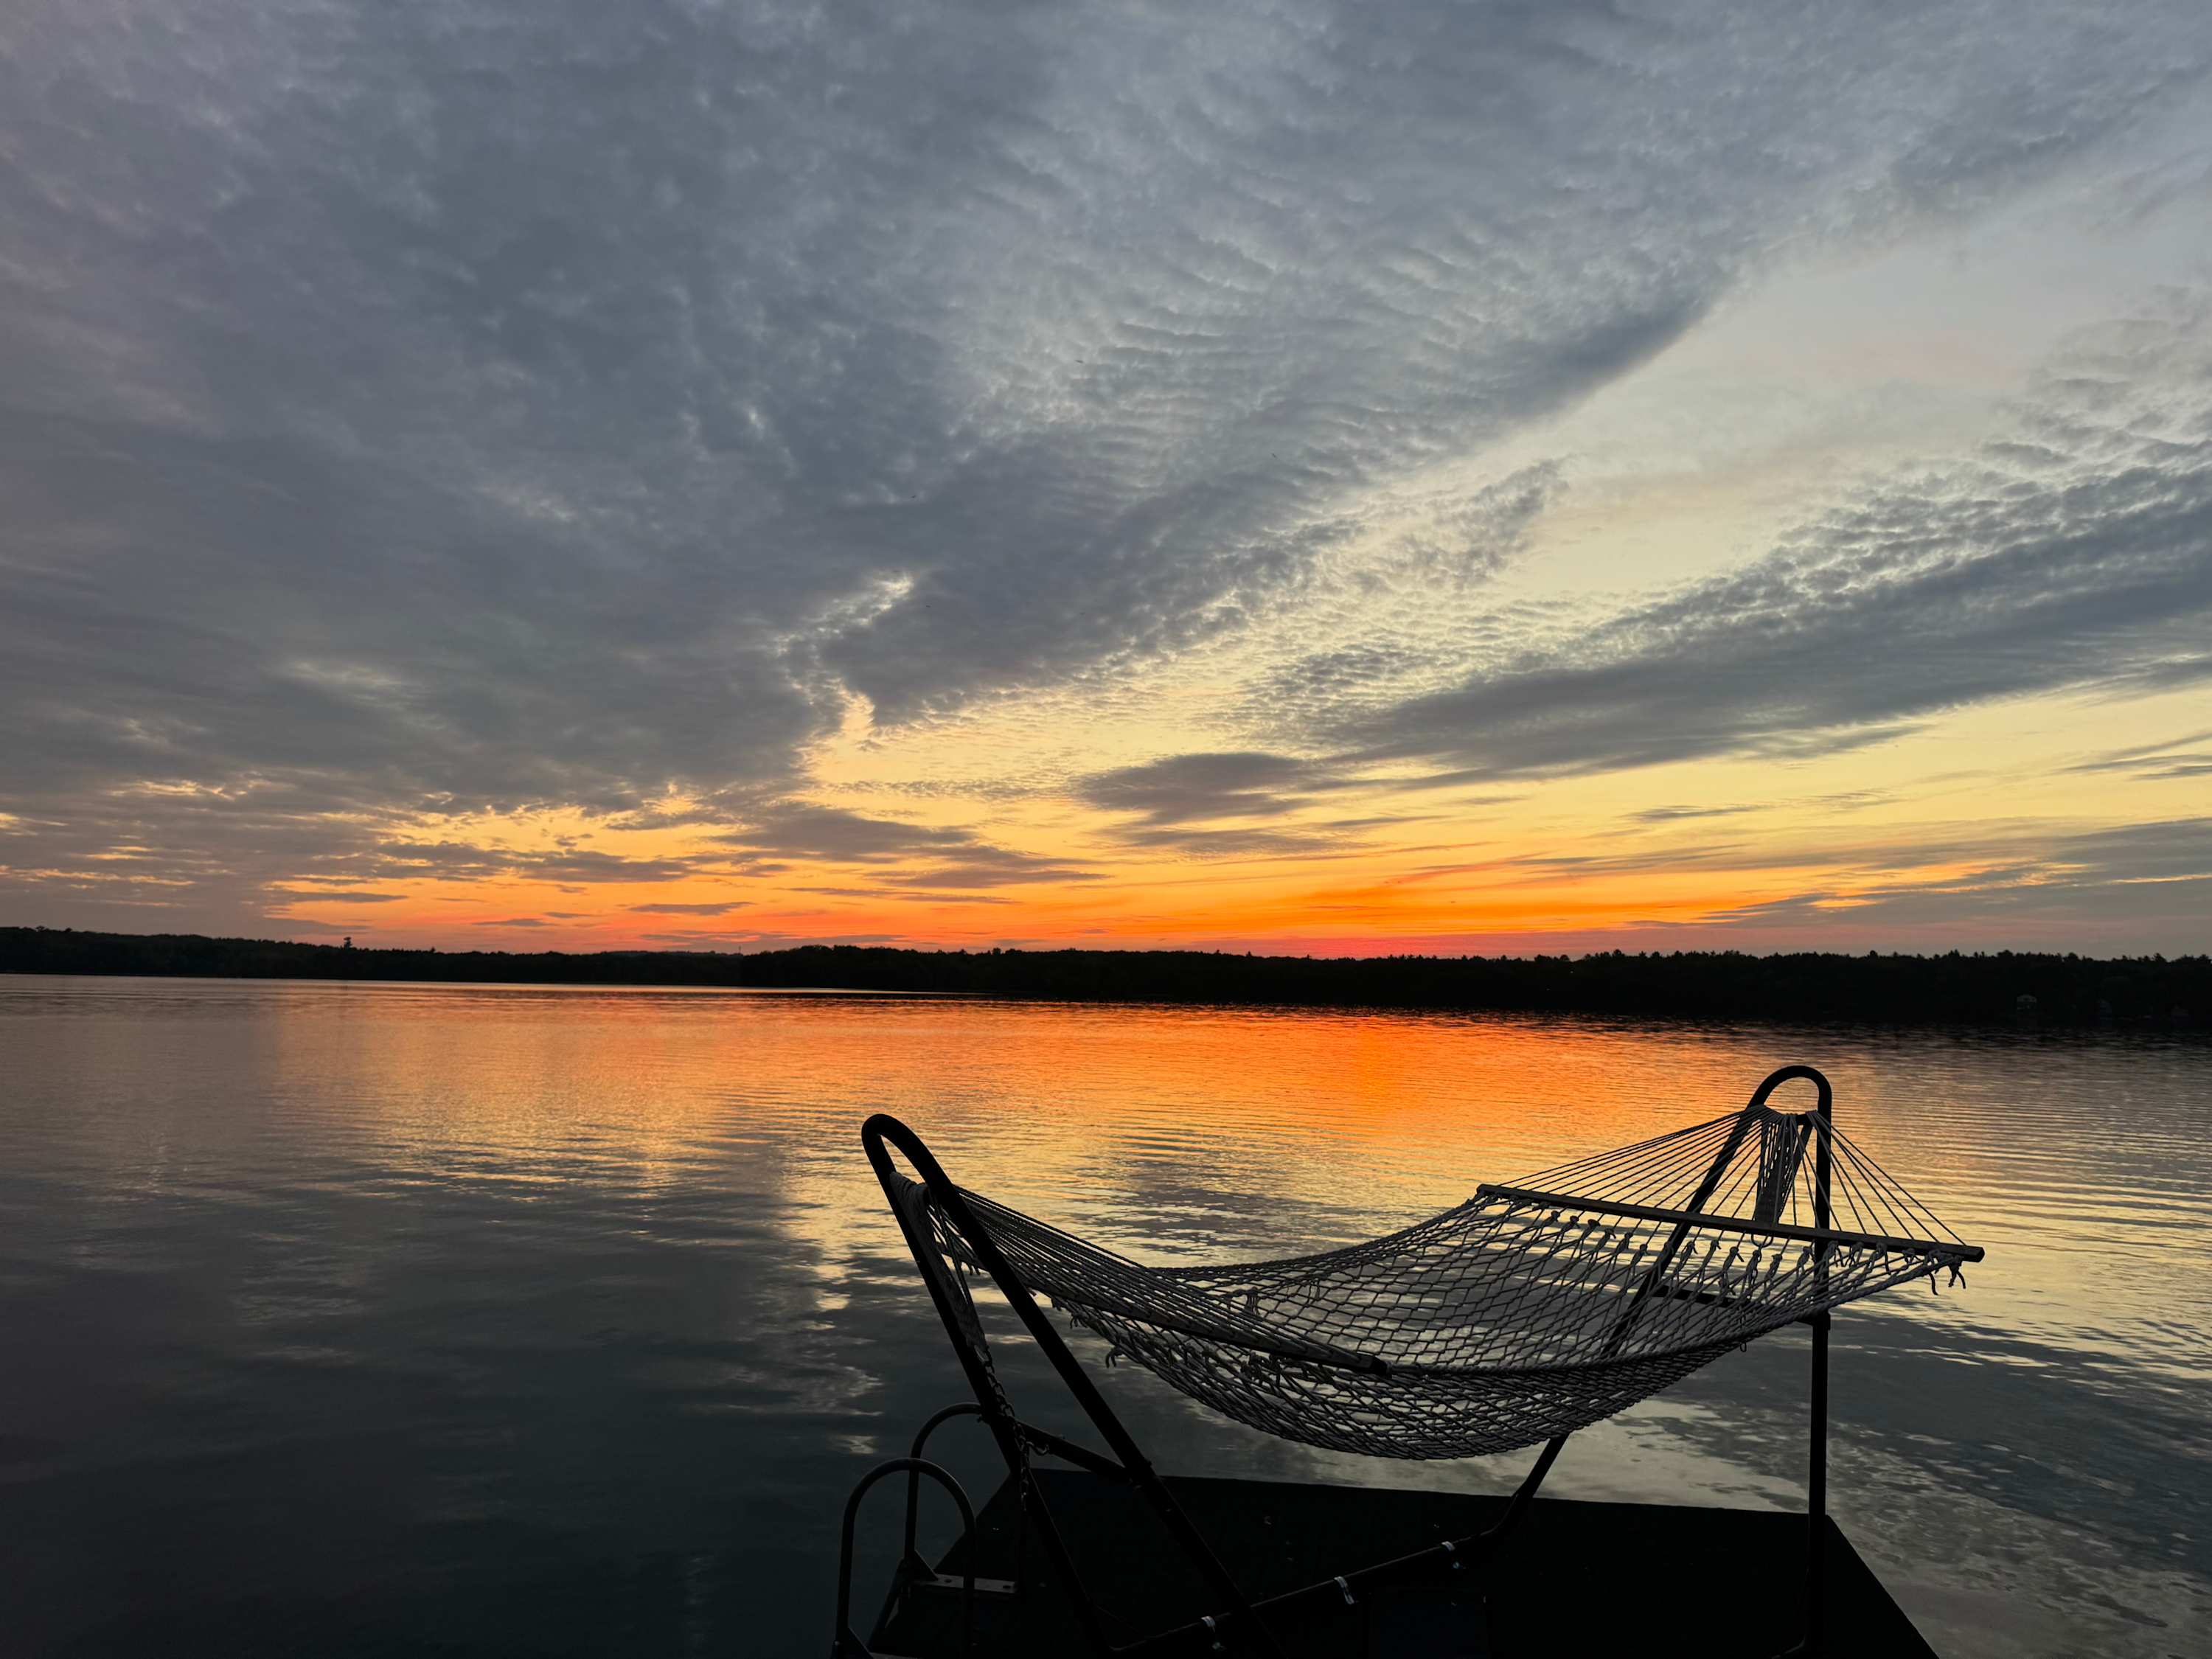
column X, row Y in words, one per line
column 503, row 1288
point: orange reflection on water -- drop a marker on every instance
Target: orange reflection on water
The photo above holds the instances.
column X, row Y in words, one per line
column 660, row 1197
column 1172, row 1132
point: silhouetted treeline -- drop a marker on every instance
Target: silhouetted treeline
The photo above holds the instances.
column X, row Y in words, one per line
column 2006, row 987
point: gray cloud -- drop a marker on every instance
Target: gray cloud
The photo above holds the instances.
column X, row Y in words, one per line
column 581, row 867
column 416, row 408
column 1184, row 788
column 836, row 835
column 2072, row 866
column 800, row 830
column 991, row 868
column 1398, row 613
column 1677, row 814
column 2177, row 849
column 2021, row 886
column 2108, row 887
column 338, row 898
column 722, row 909
column 1237, row 840
column 910, row 895
column 2156, row 763
column 1205, row 805
column 2075, row 550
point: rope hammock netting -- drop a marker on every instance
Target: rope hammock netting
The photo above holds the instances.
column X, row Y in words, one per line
column 1526, row 1313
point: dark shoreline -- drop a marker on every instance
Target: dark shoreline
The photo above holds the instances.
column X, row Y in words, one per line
column 2003, row 988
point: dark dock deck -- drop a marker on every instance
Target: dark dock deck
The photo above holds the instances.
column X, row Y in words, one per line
column 1572, row 1578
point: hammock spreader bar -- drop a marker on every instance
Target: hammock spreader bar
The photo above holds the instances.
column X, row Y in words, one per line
column 1530, row 1311
column 1728, row 1223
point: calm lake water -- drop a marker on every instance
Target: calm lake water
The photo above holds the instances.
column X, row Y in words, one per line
column 360, row 1319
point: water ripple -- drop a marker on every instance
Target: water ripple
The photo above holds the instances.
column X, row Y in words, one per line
column 387, row 1319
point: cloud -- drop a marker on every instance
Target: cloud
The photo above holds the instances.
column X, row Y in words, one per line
column 2075, row 550
column 720, row 909
column 1186, row 788
column 340, row 898
column 1405, row 599
column 1219, row 804
column 1677, row 814
column 454, row 860
column 1242, row 804
column 529, row 403
column 2175, row 849
column 955, row 857
column 2070, row 889
column 976, row 869
column 918, row 895
column 513, row 921
column 1236, row 842
column 584, row 866
column 2157, row 762
column 835, row 834
column 2071, row 869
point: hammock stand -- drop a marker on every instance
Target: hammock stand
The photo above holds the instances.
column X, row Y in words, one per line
column 1528, row 1313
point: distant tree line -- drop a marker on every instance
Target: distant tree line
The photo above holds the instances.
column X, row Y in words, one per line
column 2005, row 987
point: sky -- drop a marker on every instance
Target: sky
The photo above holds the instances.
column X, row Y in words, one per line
column 1375, row 477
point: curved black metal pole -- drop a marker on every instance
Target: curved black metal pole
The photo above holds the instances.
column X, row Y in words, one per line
column 877, row 1135
column 1811, row 1075
column 911, row 1561
column 1816, row 1473
column 1815, row 1641
column 845, row 1645
column 1525, row 1493
column 1656, row 1273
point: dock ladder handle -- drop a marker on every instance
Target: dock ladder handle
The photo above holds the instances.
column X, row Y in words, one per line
column 911, row 1565
column 844, row 1644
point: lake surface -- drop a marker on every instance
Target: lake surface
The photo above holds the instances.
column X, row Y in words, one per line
column 383, row 1319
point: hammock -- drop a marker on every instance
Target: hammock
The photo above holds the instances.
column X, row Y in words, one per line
column 1526, row 1313
column 1530, row 1311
